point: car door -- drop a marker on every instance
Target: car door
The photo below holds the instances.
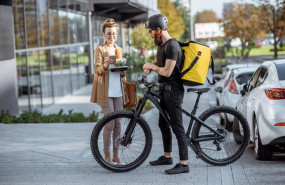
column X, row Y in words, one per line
column 253, row 91
column 246, row 99
column 252, row 100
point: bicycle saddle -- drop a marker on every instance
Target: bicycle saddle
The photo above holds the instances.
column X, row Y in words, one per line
column 199, row 90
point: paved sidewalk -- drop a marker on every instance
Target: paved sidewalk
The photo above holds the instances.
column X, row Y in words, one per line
column 79, row 101
column 59, row 154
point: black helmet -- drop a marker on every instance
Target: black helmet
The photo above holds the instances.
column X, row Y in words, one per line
column 155, row 21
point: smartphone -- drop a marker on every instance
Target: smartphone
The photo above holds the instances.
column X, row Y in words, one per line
column 113, row 57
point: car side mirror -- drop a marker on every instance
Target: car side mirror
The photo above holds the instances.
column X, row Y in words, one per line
column 219, row 89
column 243, row 89
column 217, row 77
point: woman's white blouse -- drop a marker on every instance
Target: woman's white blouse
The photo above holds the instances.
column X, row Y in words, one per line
column 115, row 89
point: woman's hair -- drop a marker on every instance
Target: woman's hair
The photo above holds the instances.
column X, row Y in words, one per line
column 109, row 23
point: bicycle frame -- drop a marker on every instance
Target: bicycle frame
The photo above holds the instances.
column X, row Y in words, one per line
column 154, row 97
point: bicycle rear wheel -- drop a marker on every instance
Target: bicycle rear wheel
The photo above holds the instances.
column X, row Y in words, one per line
column 222, row 151
column 132, row 155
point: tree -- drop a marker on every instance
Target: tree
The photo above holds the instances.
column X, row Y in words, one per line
column 207, row 16
column 282, row 27
column 271, row 14
column 141, row 38
column 242, row 21
column 184, row 13
column 175, row 21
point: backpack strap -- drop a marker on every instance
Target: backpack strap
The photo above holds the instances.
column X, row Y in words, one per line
column 176, row 61
column 190, row 67
column 212, row 66
column 176, row 65
column 192, row 63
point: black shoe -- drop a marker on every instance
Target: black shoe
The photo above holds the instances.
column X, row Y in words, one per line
column 178, row 168
column 161, row 161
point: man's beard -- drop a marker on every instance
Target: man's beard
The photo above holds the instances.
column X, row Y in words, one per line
column 157, row 40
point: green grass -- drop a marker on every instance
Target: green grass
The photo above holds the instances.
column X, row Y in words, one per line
column 264, row 50
column 261, row 50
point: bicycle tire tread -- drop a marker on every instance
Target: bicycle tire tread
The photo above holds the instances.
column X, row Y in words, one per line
column 246, row 133
column 94, row 138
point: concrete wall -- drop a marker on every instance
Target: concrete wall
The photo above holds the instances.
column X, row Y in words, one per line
column 8, row 69
column 8, row 86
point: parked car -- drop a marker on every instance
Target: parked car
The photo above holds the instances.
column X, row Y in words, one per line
column 229, row 95
column 225, row 76
column 263, row 104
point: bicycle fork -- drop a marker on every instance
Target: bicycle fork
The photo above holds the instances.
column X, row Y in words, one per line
column 132, row 124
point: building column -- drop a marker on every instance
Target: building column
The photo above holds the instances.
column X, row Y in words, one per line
column 8, row 69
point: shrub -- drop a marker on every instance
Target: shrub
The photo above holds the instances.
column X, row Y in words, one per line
column 146, row 107
column 36, row 116
column 135, row 61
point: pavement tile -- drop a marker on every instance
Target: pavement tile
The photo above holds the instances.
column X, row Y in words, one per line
column 59, row 154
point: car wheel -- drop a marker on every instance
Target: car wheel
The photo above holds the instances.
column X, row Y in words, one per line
column 261, row 152
column 236, row 132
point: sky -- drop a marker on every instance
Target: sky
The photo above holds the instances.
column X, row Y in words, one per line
column 215, row 5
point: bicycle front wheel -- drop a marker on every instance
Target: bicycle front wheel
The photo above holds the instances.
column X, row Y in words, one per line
column 224, row 150
column 107, row 137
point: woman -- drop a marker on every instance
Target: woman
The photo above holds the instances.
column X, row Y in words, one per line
column 107, row 90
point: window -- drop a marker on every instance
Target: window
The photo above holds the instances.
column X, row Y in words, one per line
column 31, row 23
column 19, row 27
column 253, row 80
column 280, row 70
column 43, row 24
column 6, row 33
column 244, row 78
column 262, row 76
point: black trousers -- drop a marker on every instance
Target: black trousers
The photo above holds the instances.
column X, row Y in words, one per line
column 172, row 100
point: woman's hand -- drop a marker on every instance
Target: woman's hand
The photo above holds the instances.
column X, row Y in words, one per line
column 123, row 73
column 107, row 61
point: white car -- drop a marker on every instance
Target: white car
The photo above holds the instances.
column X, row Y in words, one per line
column 229, row 95
column 263, row 104
column 226, row 74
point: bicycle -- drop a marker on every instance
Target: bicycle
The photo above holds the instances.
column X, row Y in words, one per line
column 205, row 135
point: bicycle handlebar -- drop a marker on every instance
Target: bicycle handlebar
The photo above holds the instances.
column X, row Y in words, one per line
column 148, row 84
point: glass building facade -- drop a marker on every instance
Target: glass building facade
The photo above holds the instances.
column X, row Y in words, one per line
column 51, row 44
column 52, row 49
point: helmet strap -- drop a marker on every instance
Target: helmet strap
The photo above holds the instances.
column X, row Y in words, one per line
column 158, row 34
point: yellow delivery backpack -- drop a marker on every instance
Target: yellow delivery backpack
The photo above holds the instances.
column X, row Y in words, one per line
column 195, row 63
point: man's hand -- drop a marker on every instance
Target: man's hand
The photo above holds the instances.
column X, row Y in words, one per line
column 148, row 66
column 146, row 71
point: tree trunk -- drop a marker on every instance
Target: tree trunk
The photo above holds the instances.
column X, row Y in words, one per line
column 243, row 50
column 274, row 35
column 275, row 46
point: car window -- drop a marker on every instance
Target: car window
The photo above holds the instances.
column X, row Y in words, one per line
column 244, row 78
column 229, row 79
column 253, row 80
column 262, row 76
column 280, row 70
